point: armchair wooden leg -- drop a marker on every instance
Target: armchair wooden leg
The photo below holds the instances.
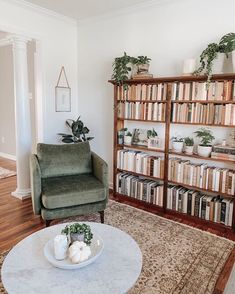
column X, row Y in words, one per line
column 101, row 216
column 48, row 222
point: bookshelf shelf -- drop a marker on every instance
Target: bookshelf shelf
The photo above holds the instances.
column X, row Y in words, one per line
column 200, row 189
column 204, row 101
column 201, row 124
column 140, row 175
column 200, row 157
column 141, row 148
column 143, row 120
column 167, row 84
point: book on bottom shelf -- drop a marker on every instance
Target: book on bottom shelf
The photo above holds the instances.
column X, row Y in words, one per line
column 139, row 188
column 212, row 208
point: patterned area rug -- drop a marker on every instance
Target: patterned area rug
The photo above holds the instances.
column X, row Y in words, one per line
column 176, row 257
column 5, row 173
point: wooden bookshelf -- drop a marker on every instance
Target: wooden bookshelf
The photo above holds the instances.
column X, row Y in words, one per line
column 119, row 123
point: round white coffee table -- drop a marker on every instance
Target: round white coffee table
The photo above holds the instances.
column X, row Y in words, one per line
column 26, row 270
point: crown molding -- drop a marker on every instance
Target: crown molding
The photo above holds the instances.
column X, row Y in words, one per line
column 124, row 11
column 41, row 10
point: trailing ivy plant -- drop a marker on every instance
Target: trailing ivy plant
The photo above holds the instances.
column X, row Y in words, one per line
column 123, row 65
column 78, row 130
column 208, row 55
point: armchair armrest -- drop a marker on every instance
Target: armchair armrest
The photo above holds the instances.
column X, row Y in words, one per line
column 35, row 179
column 100, row 169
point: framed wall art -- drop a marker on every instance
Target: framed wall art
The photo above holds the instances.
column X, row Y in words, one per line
column 62, row 94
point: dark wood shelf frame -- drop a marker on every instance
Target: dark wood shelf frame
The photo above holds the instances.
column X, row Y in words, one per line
column 119, row 124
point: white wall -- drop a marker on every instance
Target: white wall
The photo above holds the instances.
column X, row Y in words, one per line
column 7, row 110
column 167, row 32
column 58, row 42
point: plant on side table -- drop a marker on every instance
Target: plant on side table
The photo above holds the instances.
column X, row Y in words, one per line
column 177, row 144
column 78, row 232
column 205, row 147
column 78, row 130
column 189, row 143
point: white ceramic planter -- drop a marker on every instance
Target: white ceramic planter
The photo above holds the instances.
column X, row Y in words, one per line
column 177, row 146
column 189, row 66
column 204, row 151
column 218, row 64
column 127, row 140
column 188, row 150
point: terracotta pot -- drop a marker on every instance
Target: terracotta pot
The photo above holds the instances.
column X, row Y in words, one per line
column 204, row 151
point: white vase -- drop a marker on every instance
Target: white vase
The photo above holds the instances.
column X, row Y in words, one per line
column 188, row 150
column 177, row 146
column 127, row 140
column 218, row 64
column 204, row 151
column 189, row 66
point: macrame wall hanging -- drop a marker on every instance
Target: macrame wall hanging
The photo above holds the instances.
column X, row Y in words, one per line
column 62, row 94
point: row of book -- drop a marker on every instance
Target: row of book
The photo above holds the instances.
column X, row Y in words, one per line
column 217, row 91
column 155, row 92
column 202, row 176
column 204, row 113
column 139, row 188
column 223, row 152
column 140, row 162
column 145, row 111
column 194, row 203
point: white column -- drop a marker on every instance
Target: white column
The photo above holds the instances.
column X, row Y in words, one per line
column 22, row 116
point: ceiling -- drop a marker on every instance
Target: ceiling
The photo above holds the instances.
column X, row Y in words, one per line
column 82, row 9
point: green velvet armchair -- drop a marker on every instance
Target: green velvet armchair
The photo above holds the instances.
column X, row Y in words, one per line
column 68, row 180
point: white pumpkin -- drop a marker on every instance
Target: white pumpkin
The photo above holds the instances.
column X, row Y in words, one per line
column 79, row 252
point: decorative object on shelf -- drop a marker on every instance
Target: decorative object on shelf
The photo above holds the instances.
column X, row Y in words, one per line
column 142, row 64
column 60, row 247
column 78, row 130
column 177, row 144
column 205, row 147
column 231, row 138
column 189, row 143
column 128, row 138
column 62, row 94
column 123, row 66
column 78, row 232
column 79, row 252
column 153, row 141
column 226, row 152
column 211, row 53
column 121, row 134
column 189, row 66
column 140, row 137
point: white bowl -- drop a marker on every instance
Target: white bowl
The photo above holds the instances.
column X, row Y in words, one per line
column 97, row 246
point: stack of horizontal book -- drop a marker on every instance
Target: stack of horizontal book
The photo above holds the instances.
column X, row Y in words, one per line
column 217, row 91
column 139, row 188
column 217, row 114
column 140, row 162
column 212, row 208
column 144, row 111
column 156, row 92
column 202, row 176
column 223, row 152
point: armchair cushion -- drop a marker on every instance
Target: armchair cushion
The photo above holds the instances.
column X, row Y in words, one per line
column 73, row 190
column 64, row 160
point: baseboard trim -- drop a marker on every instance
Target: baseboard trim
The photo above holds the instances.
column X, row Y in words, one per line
column 8, row 156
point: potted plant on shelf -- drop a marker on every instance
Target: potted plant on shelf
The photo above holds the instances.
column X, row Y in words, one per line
column 128, row 138
column 212, row 53
column 153, row 140
column 78, row 232
column 205, row 147
column 121, row 134
column 78, row 130
column 123, row 66
column 177, row 144
column 189, row 142
column 142, row 63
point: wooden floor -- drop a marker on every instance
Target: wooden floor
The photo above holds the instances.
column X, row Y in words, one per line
column 18, row 221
